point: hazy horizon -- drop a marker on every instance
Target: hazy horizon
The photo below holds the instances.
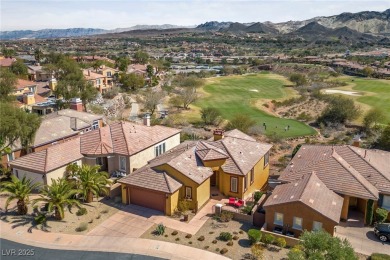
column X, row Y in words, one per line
column 56, row 14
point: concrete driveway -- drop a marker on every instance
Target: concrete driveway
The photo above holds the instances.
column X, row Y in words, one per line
column 362, row 238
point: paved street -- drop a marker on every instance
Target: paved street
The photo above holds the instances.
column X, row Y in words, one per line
column 12, row 250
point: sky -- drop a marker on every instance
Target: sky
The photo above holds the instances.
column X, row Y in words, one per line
column 61, row 14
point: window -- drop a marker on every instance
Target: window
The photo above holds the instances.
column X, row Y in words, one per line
column 252, row 175
column 99, row 161
column 98, row 82
column 95, row 124
column 122, row 163
column 188, row 193
column 278, row 219
column 10, row 157
column 108, row 73
column 245, row 182
column 159, row 149
column 297, row 224
column 233, row 184
column 386, row 202
column 317, row 226
column 266, row 159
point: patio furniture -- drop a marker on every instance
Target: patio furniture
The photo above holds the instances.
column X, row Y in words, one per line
column 239, row 203
column 232, row 201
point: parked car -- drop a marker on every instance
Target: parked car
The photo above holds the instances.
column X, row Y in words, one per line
column 118, row 174
column 382, row 231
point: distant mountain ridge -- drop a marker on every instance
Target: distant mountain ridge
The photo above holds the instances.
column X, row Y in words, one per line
column 49, row 33
column 371, row 22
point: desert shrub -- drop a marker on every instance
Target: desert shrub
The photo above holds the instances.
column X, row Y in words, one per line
column 254, row 235
column 211, row 232
column 214, row 241
column 225, row 236
column 190, row 242
column 217, row 249
column 81, row 211
column 99, row 216
column 257, row 251
column 188, row 236
column 281, row 242
column 247, row 209
column 177, row 239
column 166, row 235
column 381, row 215
column 206, row 247
column 223, row 251
column 105, row 211
column 241, row 232
column 160, row 229
column 230, row 243
column 256, row 130
column 82, row 227
column 91, row 221
column 201, row 238
column 174, row 233
column 268, row 239
column 378, row 256
column 110, row 93
column 235, row 238
column 226, row 216
column 96, row 109
column 257, row 196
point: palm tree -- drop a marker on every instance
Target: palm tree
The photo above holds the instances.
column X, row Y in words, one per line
column 19, row 190
column 92, row 182
column 57, row 196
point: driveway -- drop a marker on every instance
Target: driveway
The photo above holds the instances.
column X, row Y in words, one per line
column 133, row 221
column 362, row 238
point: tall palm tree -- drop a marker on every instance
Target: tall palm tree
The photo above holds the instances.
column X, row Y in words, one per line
column 57, row 196
column 19, row 190
column 92, row 182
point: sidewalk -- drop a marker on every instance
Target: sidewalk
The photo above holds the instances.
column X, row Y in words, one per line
column 140, row 246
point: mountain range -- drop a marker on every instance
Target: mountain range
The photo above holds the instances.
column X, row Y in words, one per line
column 356, row 25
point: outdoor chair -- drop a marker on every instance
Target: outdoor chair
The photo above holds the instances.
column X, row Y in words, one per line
column 239, row 203
column 232, row 201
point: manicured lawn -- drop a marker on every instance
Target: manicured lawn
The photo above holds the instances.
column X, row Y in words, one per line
column 375, row 93
column 238, row 95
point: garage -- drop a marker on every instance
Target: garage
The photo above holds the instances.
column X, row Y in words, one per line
column 147, row 198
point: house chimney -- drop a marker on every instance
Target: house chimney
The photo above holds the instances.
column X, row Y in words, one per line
column 356, row 141
column 218, row 134
column 52, row 84
column 76, row 104
column 147, row 119
column 28, row 98
column 73, row 123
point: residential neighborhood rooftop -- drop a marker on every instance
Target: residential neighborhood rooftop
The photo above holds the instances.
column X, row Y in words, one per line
column 53, row 157
column 124, row 138
column 311, row 191
column 354, row 171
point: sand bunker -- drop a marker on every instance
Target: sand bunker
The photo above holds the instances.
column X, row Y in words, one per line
column 344, row 92
column 254, row 90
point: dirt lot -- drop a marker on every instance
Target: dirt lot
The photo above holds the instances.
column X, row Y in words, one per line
column 97, row 212
column 211, row 230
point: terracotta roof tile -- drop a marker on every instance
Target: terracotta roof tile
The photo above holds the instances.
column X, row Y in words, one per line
column 52, row 158
column 312, row 192
column 343, row 169
column 152, row 179
column 125, row 138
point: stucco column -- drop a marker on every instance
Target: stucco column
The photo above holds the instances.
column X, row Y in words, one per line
column 344, row 211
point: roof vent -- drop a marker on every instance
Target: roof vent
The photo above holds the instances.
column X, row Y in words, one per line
column 275, row 196
column 295, row 184
column 299, row 156
column 311, row 201
column 318, row 184
column 334, row 203
column 291, row 197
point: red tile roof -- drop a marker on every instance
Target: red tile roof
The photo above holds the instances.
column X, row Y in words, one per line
column 52, row 158
column 312, row 192
column 124, row 138
column 344, row 169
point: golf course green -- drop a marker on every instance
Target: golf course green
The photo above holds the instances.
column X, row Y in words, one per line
column 373, row 93
column 234, row 95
